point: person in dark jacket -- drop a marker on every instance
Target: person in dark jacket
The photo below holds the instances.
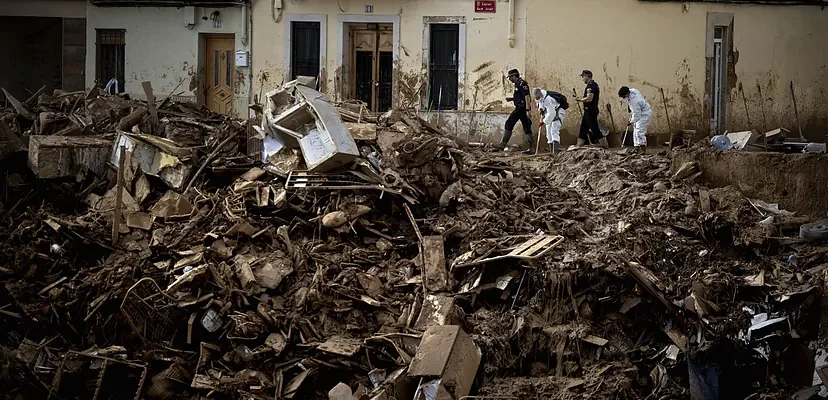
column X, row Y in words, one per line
column 590, row 132
column 520, row 113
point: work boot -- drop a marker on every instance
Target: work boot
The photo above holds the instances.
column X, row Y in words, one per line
column 530, row 142
column 551, row 148
column 603, row 142
column 556, row 146
column 505, row 141
column 581, row 142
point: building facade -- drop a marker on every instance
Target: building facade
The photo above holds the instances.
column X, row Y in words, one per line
column 43, row 44
column 449, row 58
column 197, row 50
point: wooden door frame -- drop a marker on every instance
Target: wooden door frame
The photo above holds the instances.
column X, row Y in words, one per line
column 343, row 51
column 201, row 89
column 375, row 67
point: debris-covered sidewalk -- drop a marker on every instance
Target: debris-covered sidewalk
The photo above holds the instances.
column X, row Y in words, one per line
column 156, row 250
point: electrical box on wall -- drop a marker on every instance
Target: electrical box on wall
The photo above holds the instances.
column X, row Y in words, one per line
column 242, row 58
column 189, row 17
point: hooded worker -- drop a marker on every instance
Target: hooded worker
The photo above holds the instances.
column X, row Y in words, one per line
column 640, row 115
column 552, row 117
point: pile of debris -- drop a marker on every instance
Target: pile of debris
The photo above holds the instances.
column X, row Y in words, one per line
column 342, row 255
column 778, row 140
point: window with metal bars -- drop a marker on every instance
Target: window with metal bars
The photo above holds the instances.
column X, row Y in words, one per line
column 443, row 66
column 111, row 60
column 304, row 48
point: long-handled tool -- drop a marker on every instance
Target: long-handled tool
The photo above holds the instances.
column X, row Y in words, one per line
column 624, row 140
column 796, row 110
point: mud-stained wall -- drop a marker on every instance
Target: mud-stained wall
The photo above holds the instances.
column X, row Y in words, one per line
column 160, row 48
column 488, row 53
column 653, row 45
column 795, row 181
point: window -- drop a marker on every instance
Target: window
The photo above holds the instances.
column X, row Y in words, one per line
column 443, row 66
column 304, row 49
column 111, row 44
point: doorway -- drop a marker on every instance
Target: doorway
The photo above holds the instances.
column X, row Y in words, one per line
column 372, row 64
column 305, row 48
column 718, row 81
column 720, row 61
column 219, row 66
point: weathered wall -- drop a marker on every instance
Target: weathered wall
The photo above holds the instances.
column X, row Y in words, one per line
column 160, row 49
column 44, row 8
column 645, row 45
column 488, row 56
column 652, row 45
column 44, row 44
column 795, row 181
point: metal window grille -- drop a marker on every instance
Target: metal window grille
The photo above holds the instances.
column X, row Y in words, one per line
column 386, row 69
column 111, row 47
column 304, row 49
column 443, row 66
column 365, row 77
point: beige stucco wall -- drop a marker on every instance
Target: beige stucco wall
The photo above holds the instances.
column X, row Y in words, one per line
column 487, row 58
column 646, row 45
column 160, row 49
column 43, row 8
column 651, row 45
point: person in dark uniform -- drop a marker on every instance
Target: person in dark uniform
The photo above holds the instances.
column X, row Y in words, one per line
column 590, row 132
column 521, row 112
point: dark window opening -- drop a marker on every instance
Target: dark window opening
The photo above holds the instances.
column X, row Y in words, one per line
column 304, row 49
column 444, row 56
column 111, row 44
column 364, row 77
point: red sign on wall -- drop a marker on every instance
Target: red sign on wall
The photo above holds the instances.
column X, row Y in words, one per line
column 485, row 6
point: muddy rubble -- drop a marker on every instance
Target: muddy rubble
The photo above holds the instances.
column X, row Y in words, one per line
column 419, row 268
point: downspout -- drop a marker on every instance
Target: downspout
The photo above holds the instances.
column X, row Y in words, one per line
column 245, row 24
column 248, row 38
column 512, row 23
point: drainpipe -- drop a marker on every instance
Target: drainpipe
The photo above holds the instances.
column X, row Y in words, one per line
column 248, row 19
column 512, row 23
column 245, row 25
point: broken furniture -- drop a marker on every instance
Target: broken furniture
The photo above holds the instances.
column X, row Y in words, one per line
column 151, row 312
column 155, row 156
column 85, row 376
column 313, row 123
column 65, row 156
column 532, row 248
column 446, row 362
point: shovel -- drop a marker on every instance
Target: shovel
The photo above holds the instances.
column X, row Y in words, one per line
column 624, row 140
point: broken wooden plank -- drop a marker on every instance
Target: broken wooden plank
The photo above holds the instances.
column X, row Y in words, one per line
column 134, row 118
column 645, row 279
column 117, row 213
column 434, row 264
column 19, row 107
column 151, row 104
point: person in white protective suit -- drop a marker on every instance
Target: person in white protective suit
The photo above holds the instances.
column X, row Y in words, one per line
column 552, row 116
column 641, row 113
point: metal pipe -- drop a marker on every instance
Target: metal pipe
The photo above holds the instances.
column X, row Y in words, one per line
column 244, row 35
column 512, row 18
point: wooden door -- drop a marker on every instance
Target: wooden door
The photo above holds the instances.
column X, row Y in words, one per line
column 364, row 56
column 372, row 66
column 219, row 68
